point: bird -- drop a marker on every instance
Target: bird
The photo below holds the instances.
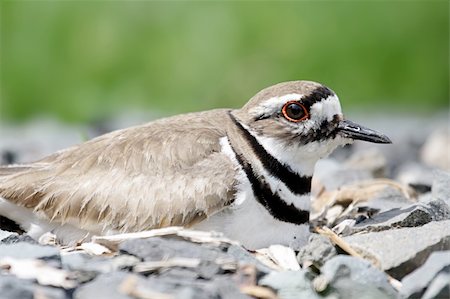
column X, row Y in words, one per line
column 243, row 172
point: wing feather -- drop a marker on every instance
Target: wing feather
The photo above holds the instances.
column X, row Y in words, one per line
column 167, row 172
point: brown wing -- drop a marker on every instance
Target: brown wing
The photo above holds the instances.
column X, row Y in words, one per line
column 167, row 172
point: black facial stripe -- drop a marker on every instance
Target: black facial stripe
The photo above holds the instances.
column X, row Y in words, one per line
column 297, row 184
column 317, row 95
column 326, row 130
column 271, row 201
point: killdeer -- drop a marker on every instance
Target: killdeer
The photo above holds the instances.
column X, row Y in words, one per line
column 245, row 172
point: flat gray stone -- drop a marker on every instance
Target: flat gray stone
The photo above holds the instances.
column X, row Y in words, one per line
column 387, row 199
column 416, row 283
column 24, row 250
column 411, row 216
column 291, row 284
column 351, row 277
column 156, row 249
column 318, row 250
column 400, row 251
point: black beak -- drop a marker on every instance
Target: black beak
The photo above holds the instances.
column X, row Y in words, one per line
column 349, row 129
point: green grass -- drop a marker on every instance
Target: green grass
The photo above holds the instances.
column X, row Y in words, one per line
column 88, row 60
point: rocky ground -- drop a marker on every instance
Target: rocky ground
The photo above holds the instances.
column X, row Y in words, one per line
column 381, row 227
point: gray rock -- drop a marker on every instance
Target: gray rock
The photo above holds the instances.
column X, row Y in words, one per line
column 244, row 257
column 49, row 293
column 179, row 287
column 441, row 186
column 439, row 287
column 318, row 250
column 87, row 267
column 206, row 270
column 24, row 250
column 380, row 201
column 291, row 284
column 5, row 234
column 12, row 287
column 110, row 285
column 105, row 286
column 411, row 216
column 208, row 280
column 156, row 249
column 428, row 277
column 438, row 209
column 400, row 251
column 387, row 199
column 351, row 277
column 16, row 238
column 225, row 289
column 84, row 262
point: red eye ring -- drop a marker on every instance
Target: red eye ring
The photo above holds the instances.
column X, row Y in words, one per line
column 294, row 116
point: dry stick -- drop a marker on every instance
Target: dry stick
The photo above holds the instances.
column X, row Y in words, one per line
column 258, row 292
column 336, row 240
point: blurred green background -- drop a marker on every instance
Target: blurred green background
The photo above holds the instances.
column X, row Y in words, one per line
column 83, row 61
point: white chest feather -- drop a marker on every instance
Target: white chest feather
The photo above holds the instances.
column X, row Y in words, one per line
column 249, row 222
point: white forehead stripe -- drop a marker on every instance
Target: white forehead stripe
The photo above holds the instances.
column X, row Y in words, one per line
column 326, row 109
column 274, row 104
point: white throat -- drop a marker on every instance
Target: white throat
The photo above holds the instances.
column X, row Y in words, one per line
column 300, row 158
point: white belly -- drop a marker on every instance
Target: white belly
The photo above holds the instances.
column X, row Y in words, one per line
column 252, row 225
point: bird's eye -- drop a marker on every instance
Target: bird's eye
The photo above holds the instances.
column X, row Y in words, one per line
column 294, row 111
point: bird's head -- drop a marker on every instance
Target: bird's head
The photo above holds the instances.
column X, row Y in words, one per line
column 302, row 119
